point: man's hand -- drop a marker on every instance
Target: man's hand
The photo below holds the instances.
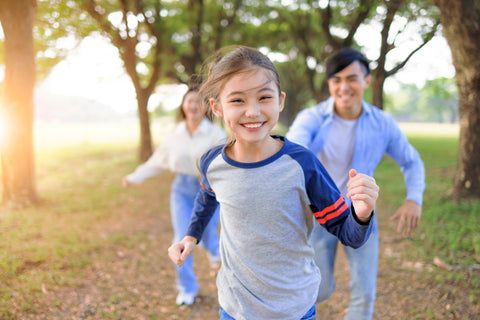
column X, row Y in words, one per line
column 179, row 252
column 363, row 190
column 408, row 216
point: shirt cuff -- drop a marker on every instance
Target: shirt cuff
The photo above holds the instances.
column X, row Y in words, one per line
column 364, row 223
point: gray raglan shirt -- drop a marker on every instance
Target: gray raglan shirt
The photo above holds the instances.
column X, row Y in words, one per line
column 266, row 216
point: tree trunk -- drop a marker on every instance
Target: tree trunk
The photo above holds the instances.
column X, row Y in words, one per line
column 461, row 26
column 146, row 148
column 18, row 177
column 378, row 81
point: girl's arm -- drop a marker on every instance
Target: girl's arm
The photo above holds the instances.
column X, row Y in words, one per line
column 203, row 210
column 179, row 252
column 363, row 190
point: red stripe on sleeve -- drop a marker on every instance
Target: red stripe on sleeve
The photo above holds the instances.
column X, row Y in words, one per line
column 334, row 214
column 330, row 208
column 205, row 188
column 332, row 211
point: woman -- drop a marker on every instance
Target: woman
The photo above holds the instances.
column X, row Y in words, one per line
column 179, row 153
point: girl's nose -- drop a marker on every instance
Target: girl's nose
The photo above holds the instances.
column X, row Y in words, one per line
column 253, row 109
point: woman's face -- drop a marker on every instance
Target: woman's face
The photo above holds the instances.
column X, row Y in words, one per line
column 191, row 106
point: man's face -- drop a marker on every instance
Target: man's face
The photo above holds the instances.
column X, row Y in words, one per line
column 347, row 88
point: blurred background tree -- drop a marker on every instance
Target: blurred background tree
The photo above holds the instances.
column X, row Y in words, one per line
column 164, row 42
column 461, row 25
column 18, row 170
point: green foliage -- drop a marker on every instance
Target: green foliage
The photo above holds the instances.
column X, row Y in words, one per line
column 437, row 101
column 53, row 32
column 177, row 36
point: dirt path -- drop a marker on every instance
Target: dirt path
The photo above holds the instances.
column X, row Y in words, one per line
column 131, row 278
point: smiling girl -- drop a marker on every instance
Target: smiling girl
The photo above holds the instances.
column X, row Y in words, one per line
column 270, row 192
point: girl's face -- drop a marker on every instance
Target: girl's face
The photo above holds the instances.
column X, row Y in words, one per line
column 191, row 106
column 249, row 104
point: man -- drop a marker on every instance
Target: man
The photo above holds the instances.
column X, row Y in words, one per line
column 346, row 132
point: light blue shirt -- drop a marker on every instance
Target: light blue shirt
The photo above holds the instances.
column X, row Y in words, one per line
column 377, row 133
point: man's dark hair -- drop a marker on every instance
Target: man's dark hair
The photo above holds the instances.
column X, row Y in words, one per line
column 343, row 58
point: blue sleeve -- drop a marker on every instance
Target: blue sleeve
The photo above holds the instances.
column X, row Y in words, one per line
column 303, row 128
column 408, row 158
column 329, row 206
column 205, row 200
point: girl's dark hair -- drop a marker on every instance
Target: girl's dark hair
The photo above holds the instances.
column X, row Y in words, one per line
column 342, row 59
column 228, row 62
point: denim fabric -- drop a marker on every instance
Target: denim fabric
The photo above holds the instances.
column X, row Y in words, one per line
column 184, row 190
column 363, row 272
column 224, row 315
column 310, row 315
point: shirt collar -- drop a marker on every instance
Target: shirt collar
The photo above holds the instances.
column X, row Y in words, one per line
column 203, row 127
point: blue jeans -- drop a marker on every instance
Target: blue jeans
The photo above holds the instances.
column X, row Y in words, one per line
column 310, row 315
column 182, row 196
column 363, row 263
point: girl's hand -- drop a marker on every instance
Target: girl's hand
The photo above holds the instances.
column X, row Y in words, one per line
column 179, row 252
column 125, row 182
column 363, row 190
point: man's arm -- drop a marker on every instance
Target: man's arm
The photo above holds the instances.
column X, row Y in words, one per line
column 413, row 170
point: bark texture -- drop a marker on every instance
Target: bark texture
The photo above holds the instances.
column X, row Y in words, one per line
column 461, row 26
column 18, row 174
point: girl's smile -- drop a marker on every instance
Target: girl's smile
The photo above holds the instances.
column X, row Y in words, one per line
column 249, row 104
column 253, row 126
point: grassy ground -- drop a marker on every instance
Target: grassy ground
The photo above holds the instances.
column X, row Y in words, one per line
column 89, row 234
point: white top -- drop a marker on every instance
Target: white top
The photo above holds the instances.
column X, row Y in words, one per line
column 337, row 154
column 179, row 152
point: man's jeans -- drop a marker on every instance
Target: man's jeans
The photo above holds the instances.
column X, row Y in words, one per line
column 184, row 190
column 363, row 264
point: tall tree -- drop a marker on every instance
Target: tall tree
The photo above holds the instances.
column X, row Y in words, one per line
column 411, row 11
column 159, row 41
column 129, row 25
column 18, row 169
column 461, row 26
column 318, row 28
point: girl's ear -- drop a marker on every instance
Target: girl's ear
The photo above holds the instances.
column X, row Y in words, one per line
column 216, row 108
column 282, row 100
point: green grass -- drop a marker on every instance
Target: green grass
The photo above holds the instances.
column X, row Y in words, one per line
column 52, row 242
column 448, row 230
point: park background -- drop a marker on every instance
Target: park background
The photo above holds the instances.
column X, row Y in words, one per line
column 85, row 248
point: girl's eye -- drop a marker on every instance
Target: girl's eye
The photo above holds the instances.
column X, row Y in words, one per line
column 265, row 98
column 236, row 101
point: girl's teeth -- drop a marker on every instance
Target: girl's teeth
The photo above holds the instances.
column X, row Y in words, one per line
column 252, row 125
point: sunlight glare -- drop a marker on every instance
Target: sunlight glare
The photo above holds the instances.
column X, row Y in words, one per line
column 3, row 128
column 94, row 71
